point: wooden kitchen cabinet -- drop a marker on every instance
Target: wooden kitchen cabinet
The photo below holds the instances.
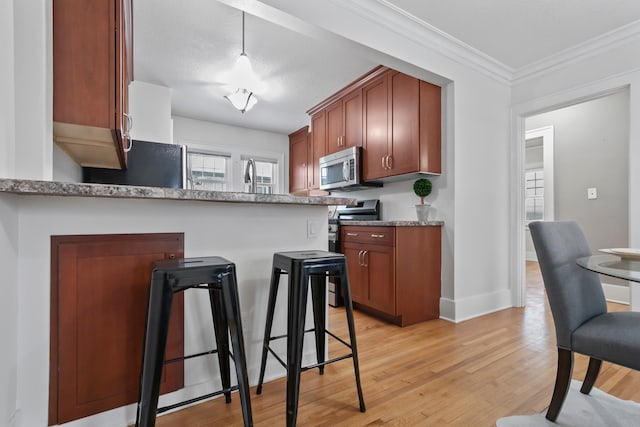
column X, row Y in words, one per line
column 396, row 118
column 402, row 129
column 376, row 128
column 99, row 291
column 92, row 69
column 344, row 122
column 394, row 272
column 299, row 143
column 317, row 148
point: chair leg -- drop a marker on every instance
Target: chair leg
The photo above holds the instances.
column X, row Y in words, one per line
column 298, row 291
column 563, row 378
column 319, row 300
column 592, row 374
column 221, row 329
column 348, row 305
column 232, row 305
column 156, row 331
column 271, row 307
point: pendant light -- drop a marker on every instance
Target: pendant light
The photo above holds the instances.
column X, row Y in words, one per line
column 243, row 78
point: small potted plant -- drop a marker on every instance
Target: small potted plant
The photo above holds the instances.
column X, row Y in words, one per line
column 422, row 188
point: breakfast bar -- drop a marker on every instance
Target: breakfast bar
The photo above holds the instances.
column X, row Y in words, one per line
column 244, row 228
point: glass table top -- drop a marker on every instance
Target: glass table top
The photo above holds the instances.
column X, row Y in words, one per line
column 613, row 266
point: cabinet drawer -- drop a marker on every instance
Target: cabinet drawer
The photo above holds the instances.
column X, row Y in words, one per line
column 375, row 235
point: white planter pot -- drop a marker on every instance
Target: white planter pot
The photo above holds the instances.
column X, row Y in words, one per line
column 422, row 212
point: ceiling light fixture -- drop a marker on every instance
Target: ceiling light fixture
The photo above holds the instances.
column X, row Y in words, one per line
column 243, row 78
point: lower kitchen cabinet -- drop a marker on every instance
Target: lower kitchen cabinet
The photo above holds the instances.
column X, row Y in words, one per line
column 394, row 271
column 99, row 291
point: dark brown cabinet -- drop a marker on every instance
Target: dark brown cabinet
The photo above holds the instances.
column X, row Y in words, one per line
column 402, row 128
column 99, row 288
column 396, row 118
column 92, row 69
column 299, row 144
column 344, row 122
column 317, row 149
column 394, row 272
column 376, row 128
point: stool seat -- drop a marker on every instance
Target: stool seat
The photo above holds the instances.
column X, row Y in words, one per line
column 303, row 267
column 168, row 277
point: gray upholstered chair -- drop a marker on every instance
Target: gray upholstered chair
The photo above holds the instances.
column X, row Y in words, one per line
column 579, row 310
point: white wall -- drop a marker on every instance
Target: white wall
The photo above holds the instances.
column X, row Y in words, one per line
column 33, row 89
column 150, row 109
column 235, row 141
column 8, row 224
column 7, row 91
column 65, row 169
column 8, row 309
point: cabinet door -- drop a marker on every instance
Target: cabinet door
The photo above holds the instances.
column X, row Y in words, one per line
column 335, row 134
column 405, row 131
column 98, row 312
column 357, row 272
column 352, row 123
column 379, row 261
column 90, row 79
column 375, row 99
column 430, row 128
column 298, row 143
column 318, row 145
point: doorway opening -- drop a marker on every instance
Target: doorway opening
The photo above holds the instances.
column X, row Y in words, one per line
column 583, row 175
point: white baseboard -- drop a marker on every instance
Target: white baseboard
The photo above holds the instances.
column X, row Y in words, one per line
column 616, row 293
column 478, row 305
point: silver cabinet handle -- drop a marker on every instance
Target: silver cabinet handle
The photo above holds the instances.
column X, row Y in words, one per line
column 389, row 162
column 377, row 235
column 352, row 234
column 365, row 254
column 360, row 257
column 127, row 132
column 383, row 166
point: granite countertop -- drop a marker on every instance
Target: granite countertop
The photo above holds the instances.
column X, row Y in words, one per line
column 384, row 223
column 71, row 189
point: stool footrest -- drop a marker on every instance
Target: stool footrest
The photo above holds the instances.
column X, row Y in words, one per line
column 327, row 362
column 191, row 356
column 196, row 399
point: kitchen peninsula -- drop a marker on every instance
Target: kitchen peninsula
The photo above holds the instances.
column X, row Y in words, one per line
column 244, row 228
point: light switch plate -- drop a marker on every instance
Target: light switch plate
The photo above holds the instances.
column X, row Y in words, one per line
column 312, row 228
column 592, row 193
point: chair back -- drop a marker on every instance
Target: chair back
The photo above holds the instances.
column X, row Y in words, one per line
column 575, row 294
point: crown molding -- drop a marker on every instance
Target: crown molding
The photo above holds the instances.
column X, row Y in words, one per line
column 589, row 48
column 385, row 14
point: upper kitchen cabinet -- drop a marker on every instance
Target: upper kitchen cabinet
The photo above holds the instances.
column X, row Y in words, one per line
column 299, row 144
column 402, row 128
column 396, row 118
column 344, row 122
column 317, row 148
column 92, row 69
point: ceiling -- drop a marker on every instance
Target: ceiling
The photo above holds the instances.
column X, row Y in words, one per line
column 190, row 45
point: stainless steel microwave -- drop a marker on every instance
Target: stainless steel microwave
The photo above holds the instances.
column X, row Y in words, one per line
column 343, row 171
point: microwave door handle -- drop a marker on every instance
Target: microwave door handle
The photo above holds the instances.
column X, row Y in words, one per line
column 345, row 171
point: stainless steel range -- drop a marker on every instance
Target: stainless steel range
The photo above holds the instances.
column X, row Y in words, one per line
column 365, row 210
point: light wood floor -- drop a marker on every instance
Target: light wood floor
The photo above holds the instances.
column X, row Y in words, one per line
column 436, row 373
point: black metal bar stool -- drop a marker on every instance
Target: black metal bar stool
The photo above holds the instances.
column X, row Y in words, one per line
column 302, row 266
column 171, row 276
